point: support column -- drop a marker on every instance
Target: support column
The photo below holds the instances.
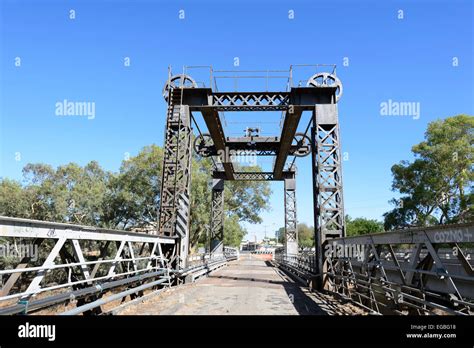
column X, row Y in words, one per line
column 327, row 183
column 217, row 217
column 174, row 211
column 291, row 233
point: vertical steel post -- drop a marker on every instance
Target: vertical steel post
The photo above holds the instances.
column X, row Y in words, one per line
column 217, row 217
column 174, row 211
column 291, row 233
column 327, row 183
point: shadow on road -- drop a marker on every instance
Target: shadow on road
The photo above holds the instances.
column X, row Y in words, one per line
column 248, row 279
column 303, row 304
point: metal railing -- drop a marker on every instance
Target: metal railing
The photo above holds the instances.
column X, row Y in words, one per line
column 197, row 262
column 65, row 259
column 302, row 265
column 413, row 271
column 206, row 73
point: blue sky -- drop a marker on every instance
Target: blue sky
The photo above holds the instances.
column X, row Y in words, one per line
column 82, row 59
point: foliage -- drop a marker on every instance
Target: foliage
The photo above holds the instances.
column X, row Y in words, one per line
column 436, row 187
column 280, row 235
column 68, row 194
column 247, row 199
column 128, row 199
column 13, row 199
column 133, row 194
column 354, row 227
column 305, row 235
column 359, row 226
column 233, row 232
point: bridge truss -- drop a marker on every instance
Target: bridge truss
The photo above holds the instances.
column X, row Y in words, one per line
column 321, row 139
column 412, row 271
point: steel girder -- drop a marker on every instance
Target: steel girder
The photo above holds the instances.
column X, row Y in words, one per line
column 409, row 271
column 89, row 257
column 217, row 217
column 290, row 124
column 250, row 101
column 291, row 224
column 174, row 211
column 327, row 181
column 203, row 99
column 214, row 125
column 256, row 176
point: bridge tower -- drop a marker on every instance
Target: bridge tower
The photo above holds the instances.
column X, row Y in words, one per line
column 174, row 214
column 327, row 182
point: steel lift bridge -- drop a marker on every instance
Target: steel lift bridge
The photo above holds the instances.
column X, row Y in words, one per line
column 321, row 139
column 421, row 270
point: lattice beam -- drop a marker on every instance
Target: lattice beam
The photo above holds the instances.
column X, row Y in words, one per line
column 217, row 217
column 250, row 101
column 291, row 223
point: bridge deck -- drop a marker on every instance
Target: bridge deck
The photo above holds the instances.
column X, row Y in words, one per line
column 250, row 286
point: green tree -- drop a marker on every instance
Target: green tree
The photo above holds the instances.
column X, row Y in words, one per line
column 128, row 199
column 68, row 194
column 233, row 231
column 201, row 202
column 280, row 234
column 82, row 190
column 436, row 188
column 13, row 199
column 305, row 235
column 243, row 201
column 42, row 193
column 133, row 194
column 247, row 199
column 359, row 226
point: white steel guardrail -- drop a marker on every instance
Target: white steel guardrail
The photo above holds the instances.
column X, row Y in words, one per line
column 231, row 253
column 56, row 262
column 198, row 262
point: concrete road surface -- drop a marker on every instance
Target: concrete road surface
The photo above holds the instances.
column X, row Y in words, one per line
column 250, row 286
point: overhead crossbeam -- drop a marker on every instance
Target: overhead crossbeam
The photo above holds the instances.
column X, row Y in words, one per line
column 250, row 101
column 200, row 99
column 258, row 146
column 256, row 176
